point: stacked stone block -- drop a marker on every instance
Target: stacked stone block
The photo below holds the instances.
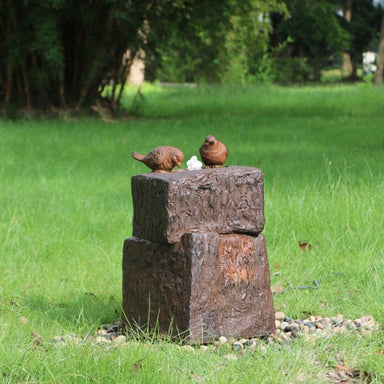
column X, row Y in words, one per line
column 197, row 262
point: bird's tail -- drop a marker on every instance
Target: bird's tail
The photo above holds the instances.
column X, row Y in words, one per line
column 137, row 156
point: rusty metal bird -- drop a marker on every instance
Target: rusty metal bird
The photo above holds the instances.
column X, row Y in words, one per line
column 213, row 152
column 161, row 159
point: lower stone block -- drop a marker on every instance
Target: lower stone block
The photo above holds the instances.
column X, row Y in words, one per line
column 208, row 285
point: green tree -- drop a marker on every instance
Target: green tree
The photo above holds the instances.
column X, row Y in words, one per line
column 313, row 32
column 346, row 66
column 212, row 41
column 63, row 53
column 60, row 53
column 184, row 42
column 321, row 32
column 380, row 54
column 362, row 28
column 247, row 40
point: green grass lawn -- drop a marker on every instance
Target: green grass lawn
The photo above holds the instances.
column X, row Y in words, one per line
column 66, row 208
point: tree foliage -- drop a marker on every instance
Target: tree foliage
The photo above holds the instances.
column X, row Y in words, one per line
column 214, row 41
column 318, row 32
column 362, row 30
column 60, row 53
column 380, row 54
column 282, row 40
column 313, row 32
column 63, row 53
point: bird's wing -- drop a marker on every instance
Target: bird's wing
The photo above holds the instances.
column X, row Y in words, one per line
column 157, row 157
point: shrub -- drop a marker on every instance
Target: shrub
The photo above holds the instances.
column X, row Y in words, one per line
column 291, row 70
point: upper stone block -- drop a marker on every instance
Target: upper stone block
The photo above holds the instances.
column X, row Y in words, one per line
column 220, row 200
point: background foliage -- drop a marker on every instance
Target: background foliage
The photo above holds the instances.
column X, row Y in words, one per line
column 64, row 53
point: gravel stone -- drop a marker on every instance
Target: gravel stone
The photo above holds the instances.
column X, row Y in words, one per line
column 337, row 329
column 292, row 328
column 279, row 316
column 310, row 329
column 336, row 323
column 368, row 322
column 237, row 346
column 188, row 348
column 340, row 317
column 253, row 344
column 366, row 332
column 120, row 339
column 309, row 324
column 319, row 325
column 286, row 336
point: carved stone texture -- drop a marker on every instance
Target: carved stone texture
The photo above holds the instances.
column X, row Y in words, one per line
column 209, row 285
column 221, row 200
column 156, row 282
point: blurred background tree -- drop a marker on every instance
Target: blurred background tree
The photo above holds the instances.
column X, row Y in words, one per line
column 325, row 33
column 210, row 41
column 63, row 54
column 380, row 53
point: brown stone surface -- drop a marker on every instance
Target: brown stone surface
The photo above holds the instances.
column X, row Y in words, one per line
column 208, row 284
column 222, row 200
column 156, row 281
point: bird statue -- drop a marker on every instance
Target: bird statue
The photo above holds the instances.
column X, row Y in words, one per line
column 213, row 152
column 161, row 159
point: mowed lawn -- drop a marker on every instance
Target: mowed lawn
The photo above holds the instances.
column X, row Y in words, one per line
column 66, row 208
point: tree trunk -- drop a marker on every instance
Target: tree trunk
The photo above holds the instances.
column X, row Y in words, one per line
column 26, row 87
column 127, row 69
column 62, row 91
column 10, row 23
column 347, row 67
column 8, row 86
column 380, row 55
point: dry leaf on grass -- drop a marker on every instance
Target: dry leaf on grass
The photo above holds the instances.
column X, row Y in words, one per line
column 137, row 366
column 343, row 374
column 37, row 341
column 305, row 245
